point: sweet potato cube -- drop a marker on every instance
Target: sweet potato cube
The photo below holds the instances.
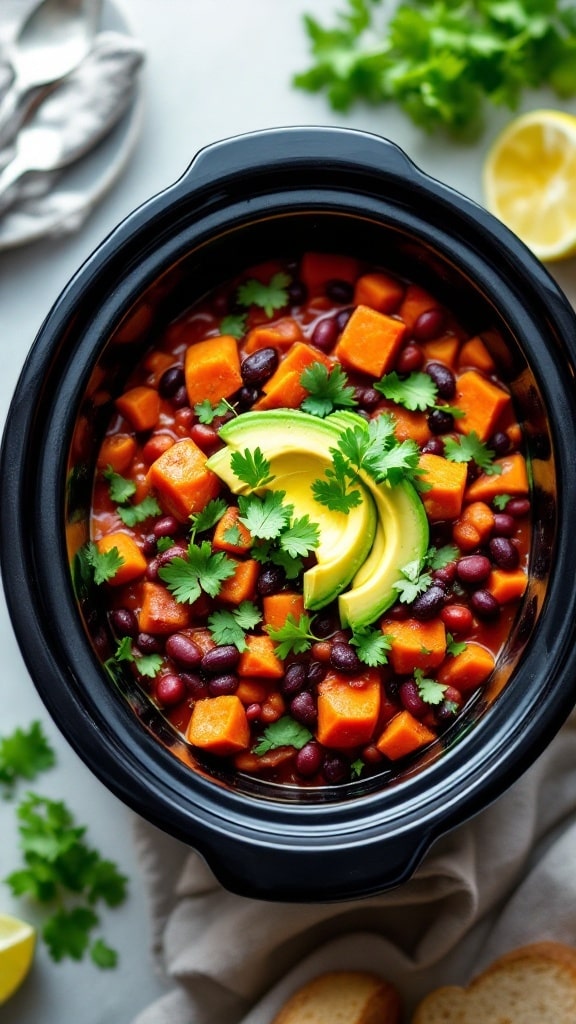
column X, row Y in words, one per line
column 219, row 725
column 160, row 612
column 140, row 406
column 117, row 451
column 370, row 341
column 446, row 482
column 133, row 561
column 474, row 354
column 507, row 585
column 403, row 735
column 242, row 585
column 212, row 369
column 181, row 481
column 277, row 608
column 467, row 670
column 284, row 388
column 318, row 268
column 259, row 660
column 482, row 403
column 280, row 335
column 512, row 479
column 230, row 534
column 445, row 349
column 415, row 644
column 348, row 708
column 380, row 291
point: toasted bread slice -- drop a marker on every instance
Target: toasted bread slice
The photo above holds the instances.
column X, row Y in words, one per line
column 342, row 997
column 534, row 984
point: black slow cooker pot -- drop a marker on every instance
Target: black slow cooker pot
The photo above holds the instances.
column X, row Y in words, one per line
column 242, row 201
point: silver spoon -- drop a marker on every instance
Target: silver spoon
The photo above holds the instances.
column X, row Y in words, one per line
column 52, row 41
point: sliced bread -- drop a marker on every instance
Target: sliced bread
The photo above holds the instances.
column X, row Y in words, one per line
column 342, row 997
column 533, row 984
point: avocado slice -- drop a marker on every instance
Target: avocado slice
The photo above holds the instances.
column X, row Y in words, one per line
column 369, row 546
column 297, row 457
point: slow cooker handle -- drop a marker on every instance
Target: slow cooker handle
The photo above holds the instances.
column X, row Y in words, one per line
column 283, row 151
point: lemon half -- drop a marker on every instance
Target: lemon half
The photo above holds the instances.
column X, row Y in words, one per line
column 529, row 181
column 17, row 941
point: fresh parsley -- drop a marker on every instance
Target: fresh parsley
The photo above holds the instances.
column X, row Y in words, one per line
column 328, row 389
column 469, row 448
column 200, row 570
column 23, row 755
column 371, row 645
column 229, row 626
column 269, row 297
column 441, row 62
column 284, row 732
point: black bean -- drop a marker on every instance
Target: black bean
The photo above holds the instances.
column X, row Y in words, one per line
column 294, row 679
column 124, row 622
column 220, row 659
column 297, row 293
column 429, row 604
column 443, row 378
column 484, row 604
column 499, row 443
column 325, row 624
column 183, row 650
column 309, row 759
column 335, row 768
column 270, row 580
column 148, row 644
column 504, row 553
column 435, row 446
column 315, row 673
column 343, row 658
column 473, row 569
column 367, row 398
column 440, row 422
column 180, row 397
column 247, row 397
column 342, row 318
column 303, row 708
column 325, row 334
column 259, row 366
column 223, row 686
column 171, row 381
column 339, row 291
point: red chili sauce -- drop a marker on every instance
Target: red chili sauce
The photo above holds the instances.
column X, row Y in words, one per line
column 210, row 617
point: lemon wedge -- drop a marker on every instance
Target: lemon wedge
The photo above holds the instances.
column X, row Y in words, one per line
column 529, row 181
column 17, row 941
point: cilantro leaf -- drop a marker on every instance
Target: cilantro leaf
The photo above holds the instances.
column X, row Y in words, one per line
column 431, row 691
column 300, row 537
column 284, row 732
column 371, row 645
column 201, row 570
column 266, row 516
column 469, row 448
column 120, row 489
column 234, row 324
column 357, row 767
column 293, row 637
column 229, row 626
column 102, row 955
column 251, row 468
column 269, row 297
column 133, row 514
column 501, row 500
column 206, row 412
column 208, row 516
column 414, row 581
column 24, row 754
column 104, row 564
column 147, row 665
column 328, row 389
column 438, row 558
column 333, row 490
column 453, row 646
column 417, row 391
column 67, row 932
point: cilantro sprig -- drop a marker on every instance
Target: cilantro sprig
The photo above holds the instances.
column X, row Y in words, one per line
column 251, row 467
column 24, row 753
column 430, row 690
column 103, row 565
column 229, row 626
column 284, row 732
column 121, row 490
column 294, row 637
column 206, row 412
column 416, row 392
column 372, row 646
column 200, row 570
column 269, row 297
column 469, row 448
column 416, row 575
column 147, row 665
column 328, row 389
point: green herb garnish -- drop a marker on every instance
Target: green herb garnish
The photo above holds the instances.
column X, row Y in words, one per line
column 200, row 570
column 469, row 448
column 230, row 626
column 285, row 732
column 23, row 755
column 328, row 389
column 269, row 297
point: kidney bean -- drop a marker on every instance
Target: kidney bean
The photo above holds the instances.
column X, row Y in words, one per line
column 148, row 644
column 270, row 580
column 457, row 618
column 443, row 378
column 342, row 318
column 156, row 446
column 303, row 708
column 196, row 687
column 343, row 658
column 484, row 604
column 339, row 291
column 504, row 553
column 473, row 569
column 440, row 422
column 258, row 367
column 335, row 768
column 429, row 324
column 294, row 679
column 320, row 651
column 446, row 711
column 325, row 334
column 411, row 700
column 223, row 686
column 170, row 689
column 220, row 659
column 409, row 359
column 149, row 545
column 253, row 712
column 183, row 420
column 499, row 443
column 182, row 649
column 518, row 507
column 371, row 754
column 435, row 446
column 124, row 622
column 297, row 293
column 367, row 398
column 167, row 526
column 428, row 605
column 315, row 673
column 446, row 575
column 171, row 381
column 180, row 399
column 205, row 436
column 309, row 759
column 504, row 525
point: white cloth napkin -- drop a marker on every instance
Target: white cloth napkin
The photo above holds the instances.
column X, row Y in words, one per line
column 505, row 878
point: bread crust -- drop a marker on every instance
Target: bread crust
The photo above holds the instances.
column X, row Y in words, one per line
column 343, row 997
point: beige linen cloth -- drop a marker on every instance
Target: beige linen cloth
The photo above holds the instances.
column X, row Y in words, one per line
column 505, row 878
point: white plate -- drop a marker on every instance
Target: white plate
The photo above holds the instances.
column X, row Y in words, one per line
column 78, row 189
